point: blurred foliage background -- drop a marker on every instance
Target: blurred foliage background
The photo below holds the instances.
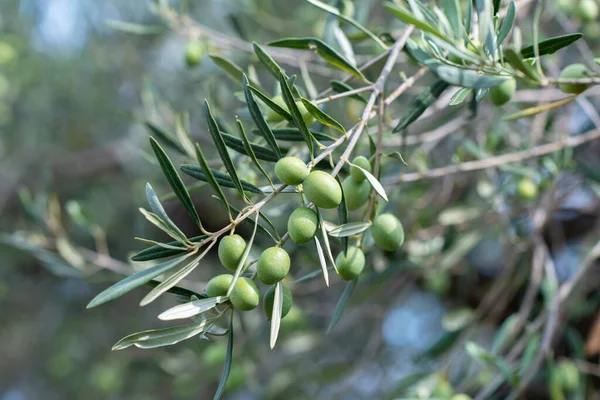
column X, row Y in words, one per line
column 74, row 95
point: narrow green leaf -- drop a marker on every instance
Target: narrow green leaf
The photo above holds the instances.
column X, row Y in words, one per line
column 164, row 136
column 276, row 315
column 504, row 332
column 487, row 33
column 323, row 50
column 157, row 252
column 552, row 45
column 221, row 178
column 337, row 13
column 191, row 309
column 271, row 104
column 454, row 13
column 343, row 215
column 231, row 68
column 296, row 115
column 460, row 96
column 407, row 17
column 213, row 128
column 528, row 112
column 441, row 346
column 175, row 180
column 164, row 226
column 249, row 150
column 131, row 27
column 136, row 280
column 396, row 155
column 515, row 60
column 259, row 119
column 163, row 337
column 252, row 150
column 349, row 229
column 207, row 175
column 159, row 210
column 468, row 20
column 240, row 267
column 228, row 361
column 342, row 87
column 507, row 22
column 322, row 261
column 178, row 291
column 183, row 135
column 374, row 182
column 267, row 60
column 467, row 78
column 326, row 241
column 341, row 305
column 322, row 116
column 294, row 135
column 420, row 103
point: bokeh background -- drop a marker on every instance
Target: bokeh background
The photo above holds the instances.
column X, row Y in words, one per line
column 75, row 90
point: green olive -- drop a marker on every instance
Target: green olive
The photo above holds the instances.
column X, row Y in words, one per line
column 307, row 117
column 322, row 189
column 527, row 189
column 194, row 52
column 387, row 231
column 272, row 115
column 231, row 249
column 502, row 93
column 245, row 295
column 273, row 265
column 351, row 264
column 566, row 374
column 291, row 170
column 269, row 299
column 218, row 285
column 574, row 71
column 356, row 173
column 302, row 225
column 587, row 10
column 356, row 193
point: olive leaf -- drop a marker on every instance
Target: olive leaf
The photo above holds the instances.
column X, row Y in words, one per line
column 166, row 137
column 178, row 291
column 465, row 77
column 322, row 261
column 528, row 112
column 232, row 69
column 375, row 184
column 136, row 280
column 175, row 180
column 515, row 60
column 507, row 22
column 193, row 308
column 258, row 118
column 158, row 209
column 487, row 32
column 341, row 305
column 276, row 315
column 220, row 178
column 261, row 228
column 454, row 13
column 349, row 229
column 552, row 45
column 228, row 361
column 322, row 49
column 205, row 173
column 249, row 149
column 294, row 135
column 164, row 226
column 407, row 17
column 295, row 112
column 460, row 96
column 271, row 104
column 213, row 128
column 267, row 60
column 322, row 116
column 420, row 103
column 341, row 87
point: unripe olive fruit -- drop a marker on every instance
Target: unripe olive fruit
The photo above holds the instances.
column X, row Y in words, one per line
column 218, row 285
column 269, row 300
column 273, row 265
column 574, row 71
column 387, row 231
column 527, row 189
column 307, row 117
column 351, row 264
column 272, row 116
column 245, row 294
column 322, row 189
column 356, row 173
column 587, row 10
column 193, row 53
column 357, row 193
column 231, row 249
column 566, row 374
column 291, row 170
column 502, row 93
column 302, row 225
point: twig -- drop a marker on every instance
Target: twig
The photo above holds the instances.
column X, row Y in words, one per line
column 538, row 151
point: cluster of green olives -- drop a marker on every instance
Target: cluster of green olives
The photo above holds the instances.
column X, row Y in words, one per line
column 272, row 267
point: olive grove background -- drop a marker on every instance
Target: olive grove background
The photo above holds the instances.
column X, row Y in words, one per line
column 76, row 87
